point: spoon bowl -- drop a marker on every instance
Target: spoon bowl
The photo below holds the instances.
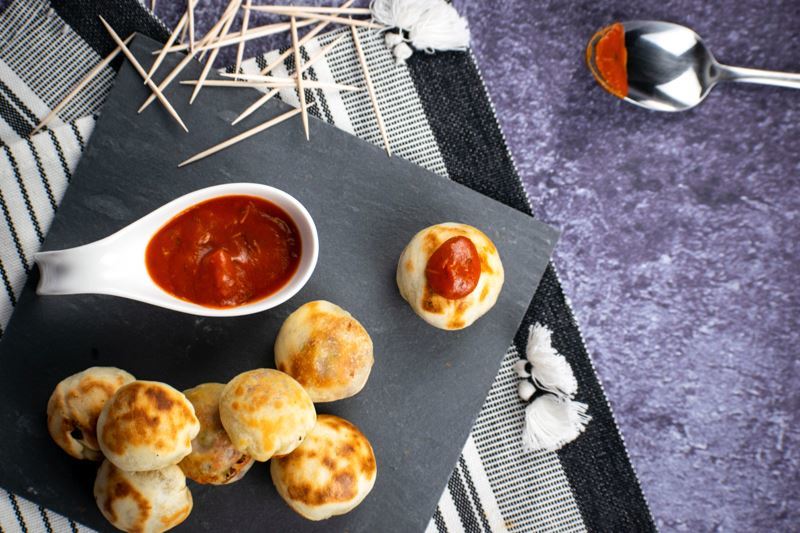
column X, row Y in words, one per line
column 670, row 68
column 116, row 265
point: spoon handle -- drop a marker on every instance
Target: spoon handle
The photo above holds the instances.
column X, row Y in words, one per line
column 764, row 77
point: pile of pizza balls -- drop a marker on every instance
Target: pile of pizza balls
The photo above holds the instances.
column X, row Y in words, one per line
column 150, row 437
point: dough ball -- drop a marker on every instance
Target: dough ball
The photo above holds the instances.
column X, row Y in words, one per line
column 142, row 502
column 330, row 473
column 266, row 413
column 147, row 425
column 326, row 350
column 433, row 308
column 213, row 460
column 75, row 405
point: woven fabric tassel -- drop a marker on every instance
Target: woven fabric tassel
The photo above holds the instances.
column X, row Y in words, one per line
column 551, row 422
column 440, row 28
column 431, row 25
column 552, row 419
column 550, row 370
column 403, row 14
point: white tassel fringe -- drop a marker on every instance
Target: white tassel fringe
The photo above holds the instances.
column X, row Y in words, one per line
column 402, row 14
column 550, row 370
column 393, row 39
column 402, row 52
column 440, row 28
column 522, row 368
column 431, row 25
column 552, row 422
column 526, row 390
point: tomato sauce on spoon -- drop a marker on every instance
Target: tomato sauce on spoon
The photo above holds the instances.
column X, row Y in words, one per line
column 225, row 252
column 607, row 58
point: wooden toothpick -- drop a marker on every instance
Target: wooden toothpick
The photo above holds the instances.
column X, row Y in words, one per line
column 245, row 22
column 307, row 37
column 188, row 57
column 143, row 74
column 255, row 33
column 190, row 12
column 258, row 77
column 371, row 90
column 314, row 9
column 211, row 58
column 183, row 35
column 289, row 11
column 163, row 53
column 80, row 85
column 242, row 136
column 252, row 33
column 264, row 99
column 279, row 82
column 255, row 105
column 298, row 69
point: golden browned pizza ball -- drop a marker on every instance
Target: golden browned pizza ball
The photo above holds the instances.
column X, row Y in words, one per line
column 75, row 405
column 147, row 425
column 213, row 460
column 326, row 350
column 450, row 274
column 266, row 413
column 330, row 473
column 142, row 502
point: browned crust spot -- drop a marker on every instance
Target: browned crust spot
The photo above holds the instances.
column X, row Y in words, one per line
column 177, row 517
column 439, row 305
column 160, row 398
column 484, row 292
column 144, row 415
column 120, row 489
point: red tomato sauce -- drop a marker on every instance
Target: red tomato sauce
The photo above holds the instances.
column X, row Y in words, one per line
column 454, row 268
column 608, row 59
column 225, row 252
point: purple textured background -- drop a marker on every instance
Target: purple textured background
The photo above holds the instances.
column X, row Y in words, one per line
column 681, row 241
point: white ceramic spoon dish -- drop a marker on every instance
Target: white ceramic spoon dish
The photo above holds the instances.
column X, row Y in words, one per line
column 116, row 265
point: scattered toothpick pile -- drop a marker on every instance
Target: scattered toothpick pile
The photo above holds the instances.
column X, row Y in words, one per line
column 206, row 48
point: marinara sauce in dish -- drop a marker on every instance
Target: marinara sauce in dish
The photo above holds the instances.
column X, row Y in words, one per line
column 225, row 252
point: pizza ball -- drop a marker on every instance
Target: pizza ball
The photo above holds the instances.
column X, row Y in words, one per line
column 75, row 405
column 330, row 473
column 147, row 425
column 450, row 274
column 326, row 350
column 213, row 460
column 266, row 413
column 142, row 502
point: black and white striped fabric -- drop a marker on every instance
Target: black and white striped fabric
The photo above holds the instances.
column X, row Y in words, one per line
column 439, row 116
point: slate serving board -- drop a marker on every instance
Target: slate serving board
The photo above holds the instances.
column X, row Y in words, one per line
column 427, row 385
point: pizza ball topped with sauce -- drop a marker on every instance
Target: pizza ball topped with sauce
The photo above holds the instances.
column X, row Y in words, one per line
column 214, row 460
column 75, row 405
column 450, row 274
column 146, row 425
column 266, row 413
column 330, row 473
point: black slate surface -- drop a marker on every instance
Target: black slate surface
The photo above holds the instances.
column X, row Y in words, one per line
column 427, row 385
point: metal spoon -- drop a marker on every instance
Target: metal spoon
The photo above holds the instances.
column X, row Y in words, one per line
column 671, row 69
